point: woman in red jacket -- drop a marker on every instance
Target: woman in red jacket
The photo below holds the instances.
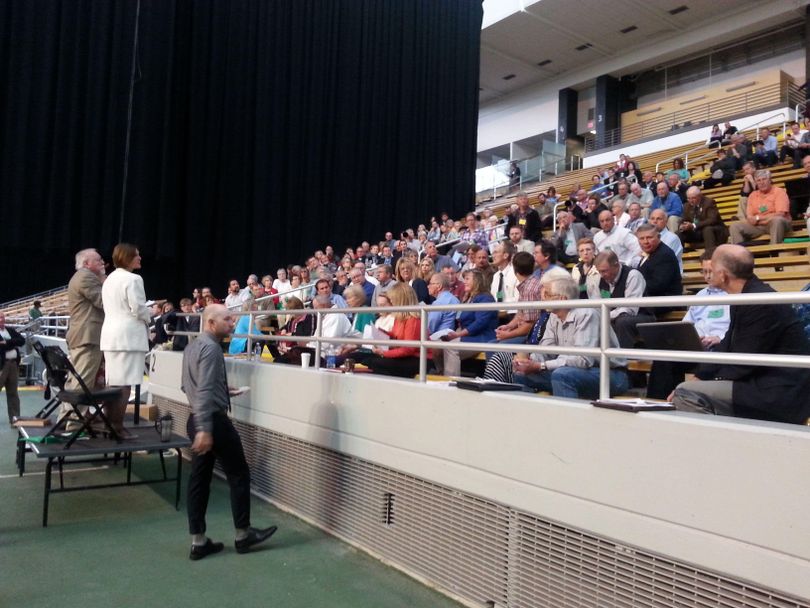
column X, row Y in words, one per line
column 401, row 361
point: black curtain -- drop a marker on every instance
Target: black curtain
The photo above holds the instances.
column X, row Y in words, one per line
column 226, row 137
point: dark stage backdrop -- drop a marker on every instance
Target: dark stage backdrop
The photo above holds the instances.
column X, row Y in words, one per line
column 260, row 131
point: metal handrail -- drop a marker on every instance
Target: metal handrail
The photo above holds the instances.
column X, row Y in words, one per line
column 33, row 297
column 604, row 351
column 460, row 240
column 685, row 155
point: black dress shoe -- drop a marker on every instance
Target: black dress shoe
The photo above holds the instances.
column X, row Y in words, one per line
column 201, row 551
column 254, row 537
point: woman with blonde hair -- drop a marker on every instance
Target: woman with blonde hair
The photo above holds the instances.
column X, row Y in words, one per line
column 473, row 326
column 426, row 269
column 401, row 361
column 406, row 273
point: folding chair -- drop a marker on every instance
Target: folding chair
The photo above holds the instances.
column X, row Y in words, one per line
column 59, row 370
column 52, row 386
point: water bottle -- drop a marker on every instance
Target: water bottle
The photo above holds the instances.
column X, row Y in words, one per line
column 257, row 349
column 331, row 357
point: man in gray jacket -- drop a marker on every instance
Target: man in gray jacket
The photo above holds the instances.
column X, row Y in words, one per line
column 214, row 437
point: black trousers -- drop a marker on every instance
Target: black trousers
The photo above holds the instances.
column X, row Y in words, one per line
column 402, row 367
column 228, row 450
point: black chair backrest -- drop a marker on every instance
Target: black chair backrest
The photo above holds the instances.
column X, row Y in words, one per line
column 59, row 366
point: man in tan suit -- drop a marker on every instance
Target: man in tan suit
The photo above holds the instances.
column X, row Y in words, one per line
column 86, row 315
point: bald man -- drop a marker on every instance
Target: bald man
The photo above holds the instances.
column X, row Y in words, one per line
column 214, row 437
column 750, row 391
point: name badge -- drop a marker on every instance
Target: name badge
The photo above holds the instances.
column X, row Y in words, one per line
column 604, row 293
column 522, row 221
column 716, row 314
column 763, row 208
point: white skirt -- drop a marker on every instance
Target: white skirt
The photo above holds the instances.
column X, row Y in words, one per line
column 124, row 367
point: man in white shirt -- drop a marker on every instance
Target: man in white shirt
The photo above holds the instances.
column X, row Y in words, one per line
column 617, row 239
column 658, row 218
column 235, row 298
column 335, row 325
column 521, row 244
column 504, row 281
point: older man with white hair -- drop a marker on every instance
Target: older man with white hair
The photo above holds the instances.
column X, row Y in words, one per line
column 617, row 239
column 768, row 212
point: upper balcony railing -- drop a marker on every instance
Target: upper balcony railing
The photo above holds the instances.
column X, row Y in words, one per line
column 769, row 96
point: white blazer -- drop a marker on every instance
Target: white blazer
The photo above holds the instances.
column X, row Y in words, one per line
column 126, row 316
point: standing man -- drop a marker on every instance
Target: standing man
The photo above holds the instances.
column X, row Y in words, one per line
column 214, row 437
column 10, row 342
column 527, row 218
column 86, row 315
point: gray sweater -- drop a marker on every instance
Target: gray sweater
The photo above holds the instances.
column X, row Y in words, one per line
column 204, row 380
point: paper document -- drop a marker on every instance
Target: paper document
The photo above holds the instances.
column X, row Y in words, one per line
column 370, row 332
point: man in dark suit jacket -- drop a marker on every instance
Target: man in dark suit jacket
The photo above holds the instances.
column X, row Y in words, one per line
column 701, row 221
column 661, row 272
column 10, row 343
column 751, row 391
column 525, row 217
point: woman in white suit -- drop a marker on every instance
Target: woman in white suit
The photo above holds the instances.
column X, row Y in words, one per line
column 126, row 321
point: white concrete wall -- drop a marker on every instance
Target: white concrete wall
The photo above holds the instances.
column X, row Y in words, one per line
column 723, row 494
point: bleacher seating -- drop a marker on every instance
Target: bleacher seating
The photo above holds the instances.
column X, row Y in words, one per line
column 53, row 303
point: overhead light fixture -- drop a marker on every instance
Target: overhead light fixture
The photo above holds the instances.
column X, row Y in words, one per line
column 628, row 29
column 582, row 47
column 544, row 62
column 509, row 77
column 678, row 9
column 592, row 131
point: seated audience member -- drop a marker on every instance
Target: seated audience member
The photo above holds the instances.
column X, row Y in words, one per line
column 803, row 186
column 244, row 325
column 297, row 325
column 439, row 288
column 659, row 267
column 630, row 174
column 715, row 137
column 235, row 297
column 635, row 217
column 728, row 131
column 324, row 287
column 401, row 361
column 567, row 235
column 528, row 287
column 658, row 218
column 711, row 323
column 578, row 206
column 740, row 150
column 617, row 239
column 765, row 154
column 620, row 216
column 790, row 144
column 479, row 260
column 370, row 278
column 335, row 325
column 356, row 298
column 385, row 280
column 677, row 186
column 406, row 273
column 722, row 170
column 616, row 280
column 473, row 233
column 670, row 203
column 525, row 217
column 426, row 269
column 642, row 196
column 504, row 281
column 571, row 376
column 473, row 326
column 545, row 209
column 584, row 271
column 182, row 321
column 455, row 284
column 595, row 207
column 161, row 337
column 767, row 212
column 439, row 261
column 545, row 260
column 768, row 393
column 748, row 186
column 622, row 194
column 358, row 277
column 341, row 282
column 516, row 238
column 678, row 169
column 702, row 223
column 648, row 181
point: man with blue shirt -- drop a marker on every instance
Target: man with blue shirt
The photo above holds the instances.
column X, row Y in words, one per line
column 765, row 155
column 439, row 288
column 671, row 203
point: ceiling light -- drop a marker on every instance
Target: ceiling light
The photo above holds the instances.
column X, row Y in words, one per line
column 678, row 9
column 628, row 29
column 509, row 77
column 544, row 62
column 582, row 47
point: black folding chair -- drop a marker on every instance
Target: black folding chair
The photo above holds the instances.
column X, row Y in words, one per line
column 52, row 386
column 59, row 370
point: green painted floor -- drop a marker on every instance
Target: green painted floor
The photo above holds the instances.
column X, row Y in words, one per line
column 125, row 547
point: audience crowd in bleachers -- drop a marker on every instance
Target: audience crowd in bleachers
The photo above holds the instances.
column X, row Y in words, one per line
column 630, row 232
